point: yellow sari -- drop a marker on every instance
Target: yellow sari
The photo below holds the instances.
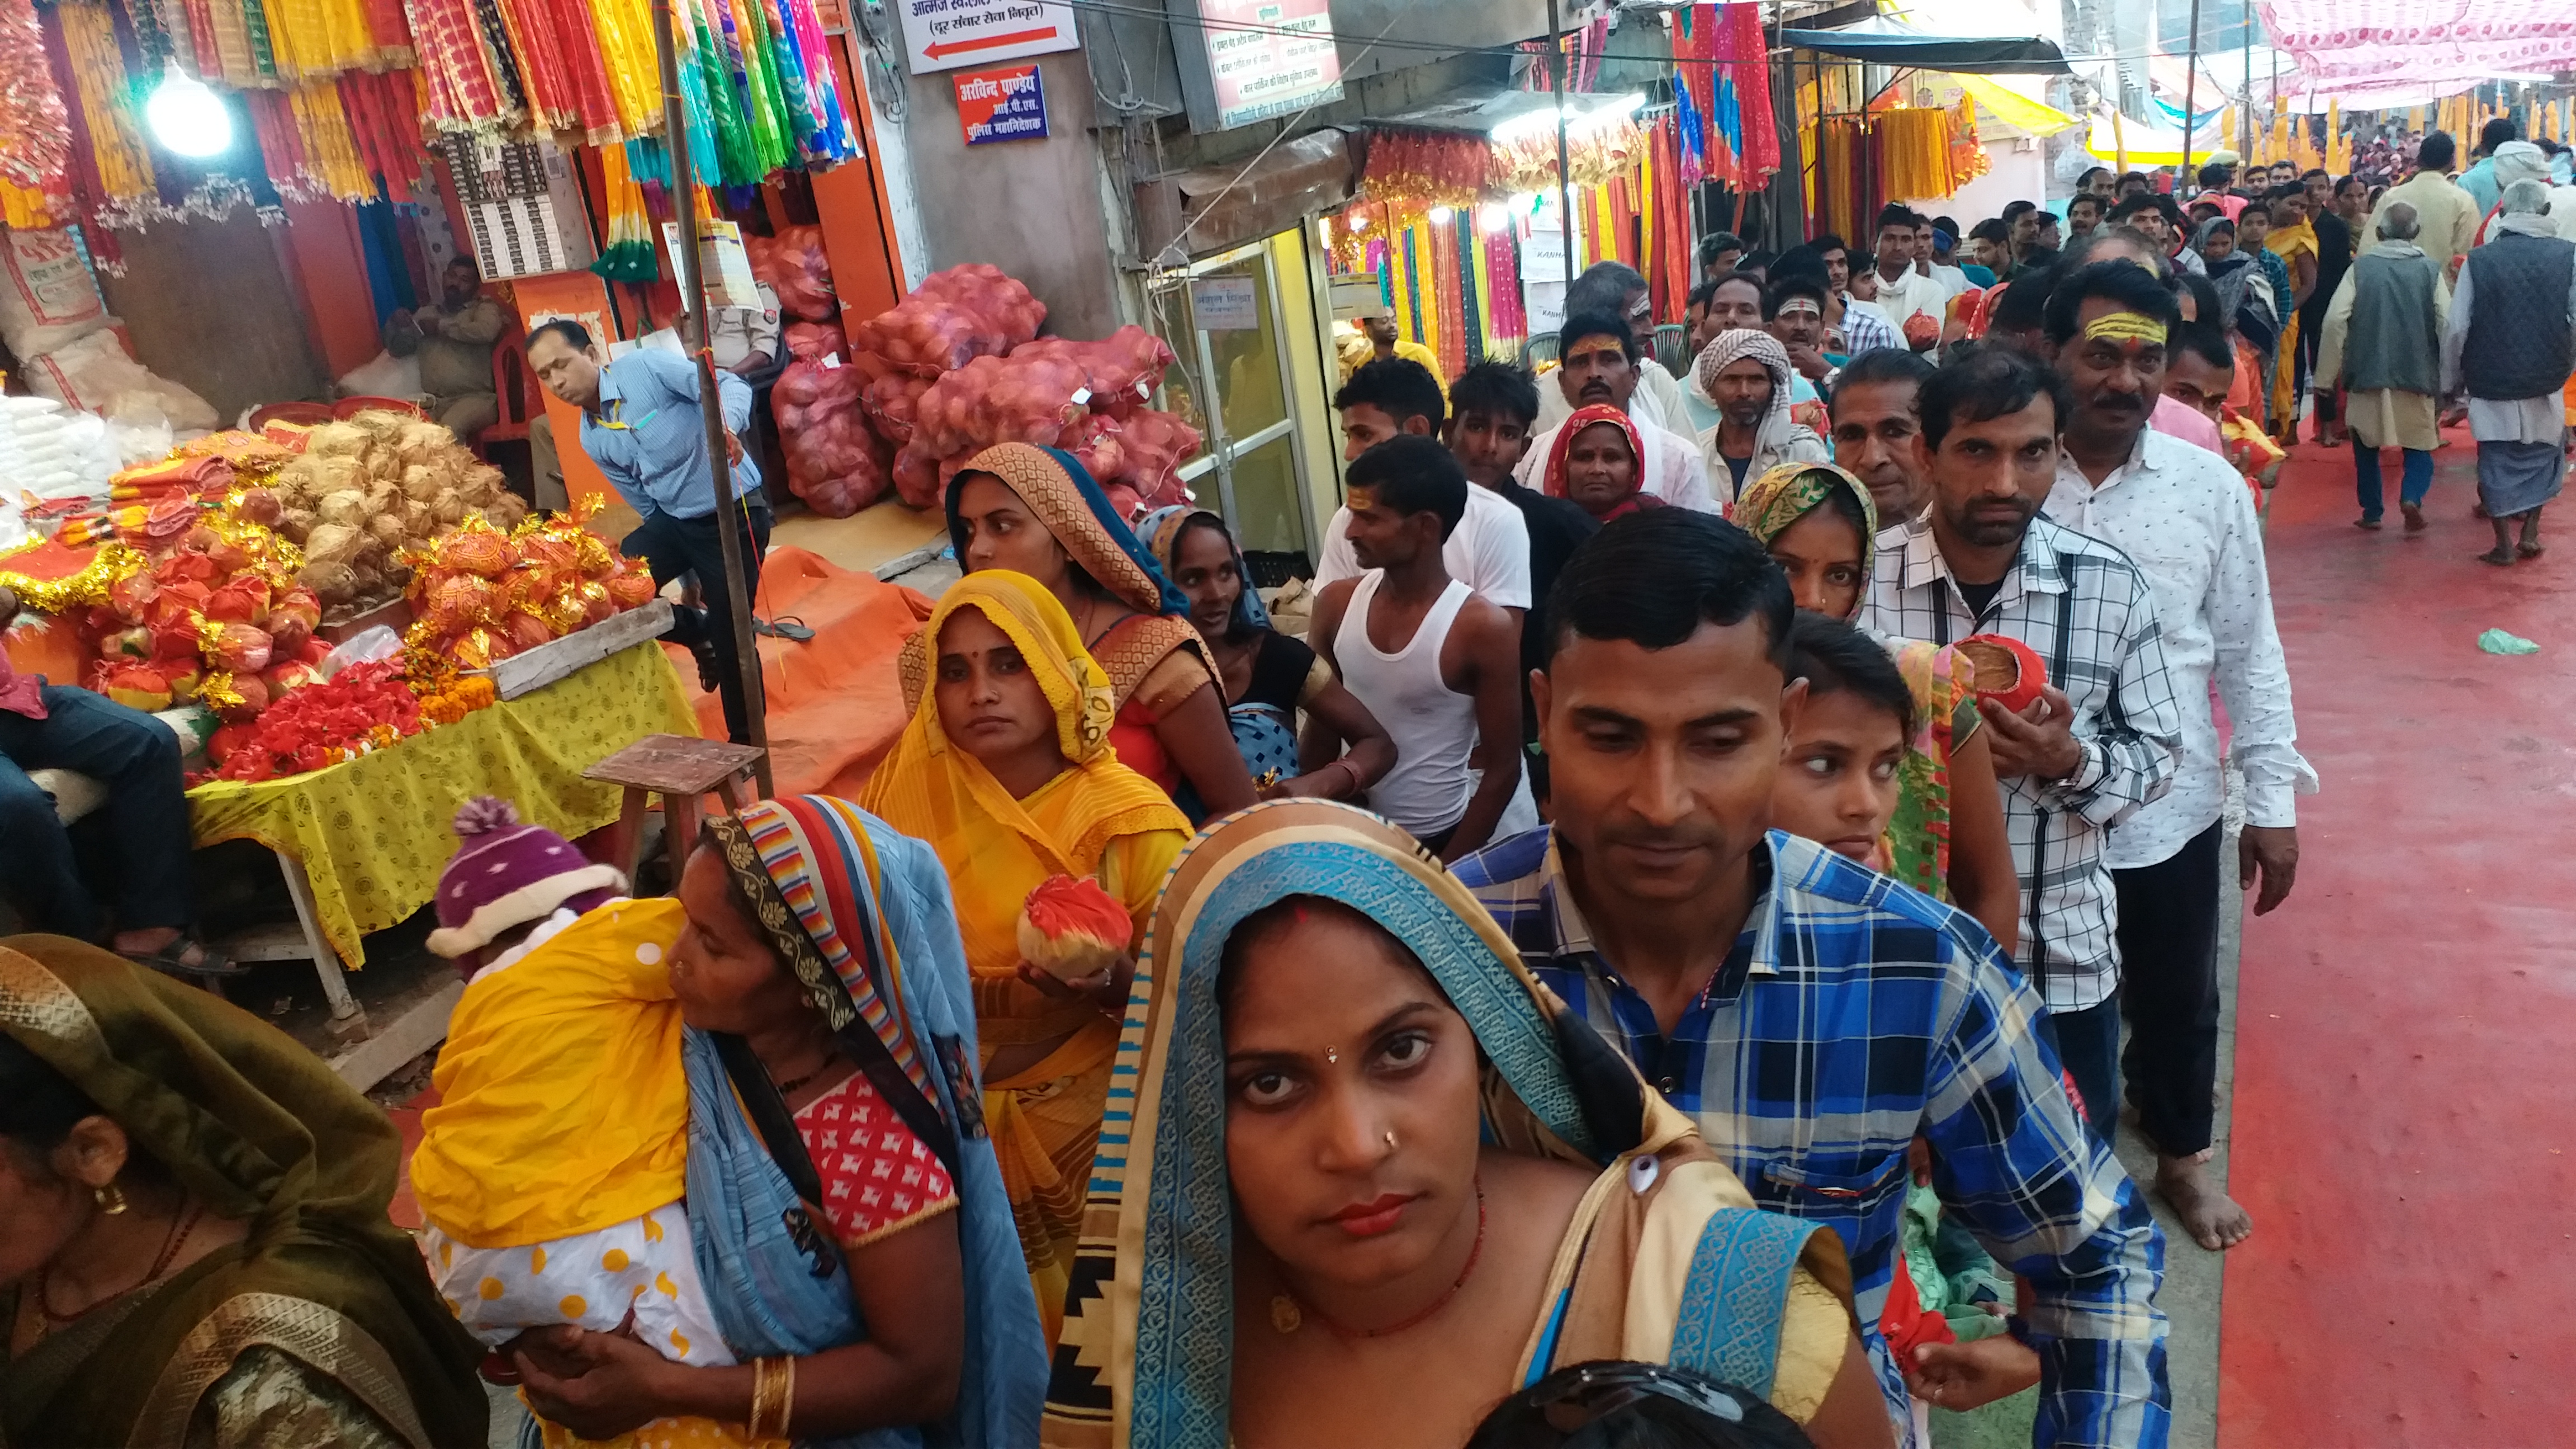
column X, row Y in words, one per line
column 2288, row 243
column 1098, row 818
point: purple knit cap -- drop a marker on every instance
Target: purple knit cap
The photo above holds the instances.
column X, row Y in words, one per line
column 506, row 874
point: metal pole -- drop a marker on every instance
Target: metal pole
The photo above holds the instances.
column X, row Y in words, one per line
column 1824, row 207
column 693, row 335
column 2245, row 97
column 1564, row 170
column 2190, row 89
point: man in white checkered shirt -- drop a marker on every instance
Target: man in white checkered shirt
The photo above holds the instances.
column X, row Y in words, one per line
column 2102, row 739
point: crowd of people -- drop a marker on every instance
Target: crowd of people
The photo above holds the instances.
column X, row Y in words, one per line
column 1709, row 839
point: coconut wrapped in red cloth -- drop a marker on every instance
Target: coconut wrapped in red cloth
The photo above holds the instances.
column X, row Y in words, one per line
column 1072, row 929
column 2009, row 672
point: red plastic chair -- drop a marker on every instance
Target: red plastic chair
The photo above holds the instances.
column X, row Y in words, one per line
column 516, row 388
column 349, row 407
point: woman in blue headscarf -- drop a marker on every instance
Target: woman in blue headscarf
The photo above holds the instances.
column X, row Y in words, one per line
column 1268, row 676
column 1366, row 1177
column 1036, row 511
column 850, row 1223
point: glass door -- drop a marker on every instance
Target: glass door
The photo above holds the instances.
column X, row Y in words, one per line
column 1222, row 315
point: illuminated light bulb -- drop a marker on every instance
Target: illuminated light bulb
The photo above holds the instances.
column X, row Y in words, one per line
column 187, row 118
column 1358, row 223
column 1441, row 216
column 1490, row 217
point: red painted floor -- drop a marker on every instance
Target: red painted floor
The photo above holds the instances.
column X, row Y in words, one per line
column 2403, row 1126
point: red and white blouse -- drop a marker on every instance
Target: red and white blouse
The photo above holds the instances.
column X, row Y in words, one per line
column 878, row 1178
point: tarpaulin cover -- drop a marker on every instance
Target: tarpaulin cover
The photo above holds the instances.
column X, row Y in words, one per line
column 1960, row 54
column 2344, row 45
column 835, row 704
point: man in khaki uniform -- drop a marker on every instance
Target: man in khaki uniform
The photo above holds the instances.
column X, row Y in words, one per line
column 453, row 338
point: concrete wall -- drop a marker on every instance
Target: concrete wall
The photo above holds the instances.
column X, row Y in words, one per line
column 1032, row 208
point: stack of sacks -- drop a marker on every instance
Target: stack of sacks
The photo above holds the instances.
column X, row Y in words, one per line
column 52, row 453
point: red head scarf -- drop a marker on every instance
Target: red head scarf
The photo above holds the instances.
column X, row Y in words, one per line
column 1575, row 423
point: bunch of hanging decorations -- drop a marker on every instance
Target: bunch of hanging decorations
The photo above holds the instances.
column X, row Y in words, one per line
column 1596, row 154
column 1411, row 171
column 35, row 129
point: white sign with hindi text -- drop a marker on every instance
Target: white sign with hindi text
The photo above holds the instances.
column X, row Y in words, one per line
column 946, row 34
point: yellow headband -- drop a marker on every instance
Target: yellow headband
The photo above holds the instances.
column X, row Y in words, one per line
column 2126, row 327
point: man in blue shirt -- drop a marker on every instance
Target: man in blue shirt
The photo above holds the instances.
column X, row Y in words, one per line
column 641, row 424
column 1814, row 1017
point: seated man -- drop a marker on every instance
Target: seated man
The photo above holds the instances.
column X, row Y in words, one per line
column 57, row 727
column 453, row 338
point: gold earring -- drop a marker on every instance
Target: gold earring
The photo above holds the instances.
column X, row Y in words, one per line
column 1332, row 1055
column 110, row 1199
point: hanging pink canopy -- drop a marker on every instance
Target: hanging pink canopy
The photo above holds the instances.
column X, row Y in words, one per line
column 2354, row 45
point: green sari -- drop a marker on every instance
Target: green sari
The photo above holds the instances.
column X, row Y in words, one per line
column 1916, row 848
column 320, row 1327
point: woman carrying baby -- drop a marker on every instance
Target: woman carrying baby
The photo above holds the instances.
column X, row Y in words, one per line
column 850, row 1227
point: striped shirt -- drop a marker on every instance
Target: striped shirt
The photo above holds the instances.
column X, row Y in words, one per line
column 1866, row 327
column 1852, row 1016
column 2087, row 611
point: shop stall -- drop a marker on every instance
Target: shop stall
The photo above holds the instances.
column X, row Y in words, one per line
column 354, row 631
column 1470, row 220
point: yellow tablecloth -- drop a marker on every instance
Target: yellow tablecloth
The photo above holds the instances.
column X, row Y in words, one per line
column 373, row 833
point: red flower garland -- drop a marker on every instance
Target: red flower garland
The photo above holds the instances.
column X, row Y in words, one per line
column 364, row 706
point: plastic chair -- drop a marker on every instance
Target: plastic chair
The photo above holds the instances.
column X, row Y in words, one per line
column 516, row 388
column 1539, row 350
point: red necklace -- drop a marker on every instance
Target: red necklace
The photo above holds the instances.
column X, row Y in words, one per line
column 1287, row 1315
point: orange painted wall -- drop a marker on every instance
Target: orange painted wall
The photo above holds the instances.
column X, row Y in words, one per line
column 330, row 264
column 567, row 292
column 856, row 214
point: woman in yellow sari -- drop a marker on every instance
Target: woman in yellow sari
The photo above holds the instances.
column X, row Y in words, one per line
column 1034, row 510
column 2294, row 241
column 1006, row 770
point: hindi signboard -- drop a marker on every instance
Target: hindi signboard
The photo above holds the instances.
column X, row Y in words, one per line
column 1225, row 304
column 1267, row 58
column 1004, row 104
column 946, row 34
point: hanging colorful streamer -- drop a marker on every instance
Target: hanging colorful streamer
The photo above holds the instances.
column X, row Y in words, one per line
column 35, row 129
column 1915, row 153
column 124, row 167
column 462, row 85
column 630, row 255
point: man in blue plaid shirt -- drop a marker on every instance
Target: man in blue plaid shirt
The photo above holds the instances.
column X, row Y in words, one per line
column 1814, row 1017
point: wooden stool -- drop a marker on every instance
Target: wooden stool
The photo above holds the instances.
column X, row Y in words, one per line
column 681, row 770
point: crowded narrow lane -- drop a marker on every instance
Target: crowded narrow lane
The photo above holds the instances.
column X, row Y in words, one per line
column 2402, row 1020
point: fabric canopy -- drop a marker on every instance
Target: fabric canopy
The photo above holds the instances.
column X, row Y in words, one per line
column 1886, row 44
column 2017, row 111
column 2146, row 145
column 2345, row 45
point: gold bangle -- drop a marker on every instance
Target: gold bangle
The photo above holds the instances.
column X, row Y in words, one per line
column 786, row 1394
column 764, row 1397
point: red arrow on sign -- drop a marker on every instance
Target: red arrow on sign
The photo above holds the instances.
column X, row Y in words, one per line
column 948, row 48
